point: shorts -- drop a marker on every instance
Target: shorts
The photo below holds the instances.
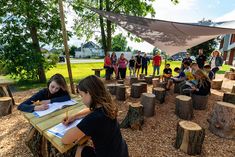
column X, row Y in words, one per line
column 88, row 151
column 137, row 66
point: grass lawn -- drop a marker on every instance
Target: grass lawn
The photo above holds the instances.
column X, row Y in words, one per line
column 81, row 70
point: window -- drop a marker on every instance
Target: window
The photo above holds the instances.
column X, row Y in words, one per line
column 221, row 44
column 232, row 40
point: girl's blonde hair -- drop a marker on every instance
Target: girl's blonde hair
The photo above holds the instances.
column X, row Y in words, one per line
column 203, row 78
column 212, row 53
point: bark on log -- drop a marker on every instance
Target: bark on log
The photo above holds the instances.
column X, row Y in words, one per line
column 121, row 92
column 155, row 82
column 144, row 87
column 160, row 94
column 222, row 120
column 216, row 84
column 133, row 80
column 189, row 137
column 136, row 90
column 161, row 84
column 148, row 102
column 184, row 107
column 199, row 102
column 5, row 106
column 231, row 76
column 177, row 87
column 229, row 97
column 142, row 76
column 148, row 79
column 233, row 89
column 111, row 88
column 120, row 81
column 134, row 118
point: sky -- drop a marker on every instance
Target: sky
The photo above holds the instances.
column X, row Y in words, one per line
column 187, row 11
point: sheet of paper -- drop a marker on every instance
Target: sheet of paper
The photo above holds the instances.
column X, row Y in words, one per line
column 54, row 106
column 60, row 129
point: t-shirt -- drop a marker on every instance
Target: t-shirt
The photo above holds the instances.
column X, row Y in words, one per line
column 156, row 60
column 167, row 71
column 188, row 74
column 187, row 60
column 131, row 63
column 105, row 134
column 145, row 61
column 138, row 59
column 201, row 61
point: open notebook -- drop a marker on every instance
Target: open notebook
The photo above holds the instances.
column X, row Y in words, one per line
column 60, row 129
column 54, row 106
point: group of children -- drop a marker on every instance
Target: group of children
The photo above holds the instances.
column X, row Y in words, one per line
column 99, row 118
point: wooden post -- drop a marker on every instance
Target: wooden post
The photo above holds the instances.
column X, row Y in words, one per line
column 199, row 102
column 189, row 137
column 134, row 118
column 121, row 93
column 184, row 107
column 65, row 39
column 160, row 94
column 133, row 80
column 229, row 97
column 5, row 106
column 216, row 84
column 148, row 102
column 222, row 120
column 148, row 79
column 233, row 89
column 136, row 90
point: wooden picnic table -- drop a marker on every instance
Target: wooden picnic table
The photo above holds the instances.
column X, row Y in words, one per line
column 43, row 124
column 5, row 90
column 97, row 71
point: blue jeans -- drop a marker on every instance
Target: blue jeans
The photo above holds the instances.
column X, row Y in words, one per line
column 156, row 68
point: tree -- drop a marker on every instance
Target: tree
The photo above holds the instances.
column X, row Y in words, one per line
column 26, row 26
column 119, row 43
column 72, row 50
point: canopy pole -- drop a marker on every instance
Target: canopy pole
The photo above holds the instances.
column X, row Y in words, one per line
column 65, row 39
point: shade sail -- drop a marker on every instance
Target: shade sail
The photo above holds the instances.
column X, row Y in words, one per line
column 171, row 37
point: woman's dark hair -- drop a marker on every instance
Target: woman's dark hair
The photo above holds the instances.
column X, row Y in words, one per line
column 187, row 63
column 99, row 95
column 60, row 80
column 176, row 69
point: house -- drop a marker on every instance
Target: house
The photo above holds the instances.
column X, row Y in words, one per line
column 88, row 50
column 227, row 47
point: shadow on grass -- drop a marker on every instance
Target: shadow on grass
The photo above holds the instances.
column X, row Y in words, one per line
column 28, row 84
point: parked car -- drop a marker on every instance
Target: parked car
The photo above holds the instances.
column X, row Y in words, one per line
column 61, row 59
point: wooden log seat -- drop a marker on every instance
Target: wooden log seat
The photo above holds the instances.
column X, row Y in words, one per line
column 216, row 84
column 133, row 80
column 222, row 120
column 120, row 81
column 134, row 118
column 199, row 102
column 229, row 97
column 121, row 92
column 177, row 87
column 144, row 87
column 226, row 74
column 155, row 82
column 189, row 137
column 5, row 106
column 141, row 80
column 231, row 76
column 233, row 89
column 148, row 79
column 142, row 76
column 148, row 102
column 111, row 88
column 136, row 90
column 184, row 107
column 160, row 94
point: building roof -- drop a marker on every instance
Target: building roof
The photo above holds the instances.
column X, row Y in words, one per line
column 89, row 44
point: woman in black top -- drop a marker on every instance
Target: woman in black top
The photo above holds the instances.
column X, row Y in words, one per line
column 99, row 122
column 56, row 91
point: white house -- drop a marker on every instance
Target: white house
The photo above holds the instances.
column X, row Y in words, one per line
column 89, row 50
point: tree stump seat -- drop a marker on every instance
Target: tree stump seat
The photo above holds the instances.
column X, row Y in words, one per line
column 121, row 92
column 184, row 107
column 141, row 80
column 144, row 87
column 142, row 76
column 226, row 74
column 189, row 137
column 5, row 106
column 231, row 76
column 120, row 81
column 133, row 80
column 160, row 94
column 155, row 82
column 148, row 102
column 199, row 102
column 148, row 79
column 216, row 84
column 136, row 90
column 229, row 97
column 177, row 86
column 233, row 89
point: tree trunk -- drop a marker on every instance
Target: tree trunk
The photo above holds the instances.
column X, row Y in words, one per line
column 109, row 28
column 184, row 107
column 5, row 106
column 160, row 94
column 121, row 93
column 148, row 102
column 216, row 84
column 190, row 137
column 103, row 36
column 136, row 90
column 199, row 102
column 221, row 120
column 134, row 118
column 229, row 97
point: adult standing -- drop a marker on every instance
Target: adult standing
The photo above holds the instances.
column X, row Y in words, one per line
column 201, row 59
column 216, row 61
column 186, row 59
column 114, row 64
column 145, row 63
column 122, row 62
column 107, row 65
column 138, row 61
column 157, row 61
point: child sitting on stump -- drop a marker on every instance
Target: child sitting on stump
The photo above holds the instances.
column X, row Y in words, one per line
column 167, row 72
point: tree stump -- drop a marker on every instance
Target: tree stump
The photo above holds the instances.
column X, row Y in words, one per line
column 233, row 89
column 148, row 79
column 155, row 82
column 120, row 81
column 111, row 88
column 144, row 87
column 160, row 94
column 2, row 92
column 222, row 120
column 134, row 118
column 231, row 76
column 161, row 84
column 142, row 76
column 148, row 102
column 184, row 107
column 177, row 87
column 133, row 80
column 226, row 74
column 136, row 90
column 199, row 102
column 141, row 80
column 107, row 74
column 229, row 97
column 5, row 106
column 216, row 84
column 121, row 93
column 189, row 137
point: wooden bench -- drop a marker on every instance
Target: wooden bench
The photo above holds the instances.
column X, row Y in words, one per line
column 97, row 71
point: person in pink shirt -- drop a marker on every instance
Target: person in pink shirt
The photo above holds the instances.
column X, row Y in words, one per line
column 122, row 62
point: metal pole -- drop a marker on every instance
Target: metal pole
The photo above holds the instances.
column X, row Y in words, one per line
column 65, row 39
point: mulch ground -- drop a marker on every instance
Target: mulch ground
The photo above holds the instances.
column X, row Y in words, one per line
column 156, row 139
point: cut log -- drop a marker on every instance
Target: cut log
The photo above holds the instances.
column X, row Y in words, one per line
column 136, row 90
column 141, row 80
column 111, row 88
column 121, row 92
column 189, row 137
column 233, row 89
column 216, row 84
column 229, row 97
column 133, row 80
column 177, row 87
column 226, row 74
column 134, row 118
column 107, row 74
column 5, row 106
column 184, row 107
column 222, row 120
column 148, row 79
column 120, row 81
column 231, row 76
column 2, row 92
column 144, row 87
column 142, row 76
column 199, row 102
column 148, row 102
column 155, row 82
column 161, row 84
column 160, row 94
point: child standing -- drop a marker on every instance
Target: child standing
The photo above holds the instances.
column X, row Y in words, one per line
column 56, row 91
column 132, row 66
column 100, row 122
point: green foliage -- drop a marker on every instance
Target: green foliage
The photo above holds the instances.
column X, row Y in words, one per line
column 119, row 43
column 72, row 50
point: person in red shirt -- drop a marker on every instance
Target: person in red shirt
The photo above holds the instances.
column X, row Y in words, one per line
column 157, row 60
column 107, row 65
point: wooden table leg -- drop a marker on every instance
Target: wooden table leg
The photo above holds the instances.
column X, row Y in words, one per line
column 10, row 94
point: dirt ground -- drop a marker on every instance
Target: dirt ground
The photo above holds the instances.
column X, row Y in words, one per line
column 156, row 139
